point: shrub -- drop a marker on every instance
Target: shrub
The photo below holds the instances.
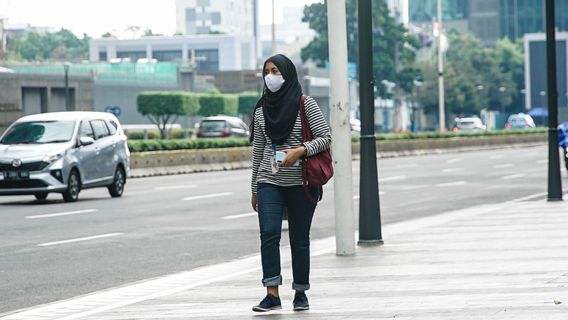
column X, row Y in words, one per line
column 247, row 102
column 215, row 104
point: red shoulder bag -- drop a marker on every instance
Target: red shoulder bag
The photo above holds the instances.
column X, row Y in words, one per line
column 317, row 169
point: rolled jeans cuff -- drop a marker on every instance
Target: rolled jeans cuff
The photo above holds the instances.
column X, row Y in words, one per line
column 272, row 282
column 300, row 287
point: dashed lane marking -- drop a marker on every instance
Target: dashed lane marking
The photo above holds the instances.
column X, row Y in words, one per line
column 503, row 166
column 59, row 214
column 108, row 235
column 206, row 196
column 237, row 216
column 513, row 176
column 451, row 184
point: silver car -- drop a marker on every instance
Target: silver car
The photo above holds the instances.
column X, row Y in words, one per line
column 63, row 152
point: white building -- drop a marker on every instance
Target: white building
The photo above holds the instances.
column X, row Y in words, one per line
column 233, row 17
column 291, row 35
column 216, row 52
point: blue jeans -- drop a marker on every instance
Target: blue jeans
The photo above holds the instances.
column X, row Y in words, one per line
column 272, row 200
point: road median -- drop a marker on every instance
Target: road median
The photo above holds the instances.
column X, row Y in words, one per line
column 156, row 163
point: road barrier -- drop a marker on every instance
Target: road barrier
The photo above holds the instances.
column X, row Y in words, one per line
column 145, row 164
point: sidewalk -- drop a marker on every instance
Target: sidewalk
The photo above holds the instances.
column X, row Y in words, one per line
column 502, row 261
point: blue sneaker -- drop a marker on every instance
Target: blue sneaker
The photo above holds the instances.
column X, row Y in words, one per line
column 270, row 302
column 301, row 302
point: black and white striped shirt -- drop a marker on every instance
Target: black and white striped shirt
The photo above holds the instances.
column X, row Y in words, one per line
column 262, row 147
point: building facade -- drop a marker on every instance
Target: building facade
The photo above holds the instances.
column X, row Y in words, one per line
column 23, row 94
column 233, row 17
column 489, row 20
column 204, row 52
column 536, row 72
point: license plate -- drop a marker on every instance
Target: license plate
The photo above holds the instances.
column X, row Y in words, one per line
column 16, row 175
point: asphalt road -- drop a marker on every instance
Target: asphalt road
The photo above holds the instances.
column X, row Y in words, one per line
column 52, row 250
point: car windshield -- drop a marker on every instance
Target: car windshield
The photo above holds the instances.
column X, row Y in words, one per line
column 213, row 125
column 466, row 123
column 36, row 132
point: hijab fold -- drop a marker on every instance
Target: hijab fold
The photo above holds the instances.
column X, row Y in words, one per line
column 280, row 108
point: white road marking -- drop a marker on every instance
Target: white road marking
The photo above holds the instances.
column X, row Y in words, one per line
column 393, row 178
column 47, row 244
column 189, row 186
column 358, row 196
column 410, row 165
column 236, row 216
column 205, row 196
column 453, row 170
column 454, row 160
column 115, row 298
column 59, row 214
column 502, row 166
column 451, row 184
column 416, row 187
column 513, row 176
column 542, row 161
column 498, row 156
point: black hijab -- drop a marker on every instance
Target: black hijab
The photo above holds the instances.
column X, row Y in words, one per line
column 281, row 108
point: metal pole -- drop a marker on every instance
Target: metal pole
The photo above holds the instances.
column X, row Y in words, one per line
column 554, row 180
column 341, row 129
column 66, row 68
column 273, row 31
column 369, row 207
column 441, row 106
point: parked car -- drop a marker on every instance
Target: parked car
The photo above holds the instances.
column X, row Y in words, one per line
column 519, row 121
column 468, row 124
column 221, row 127
column 63, row 152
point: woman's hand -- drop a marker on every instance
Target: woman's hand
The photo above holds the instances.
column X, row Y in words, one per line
column 253, row 202
column 293, row 155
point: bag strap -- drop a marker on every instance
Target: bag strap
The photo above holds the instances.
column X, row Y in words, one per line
column 306, row 132
column 307, row 135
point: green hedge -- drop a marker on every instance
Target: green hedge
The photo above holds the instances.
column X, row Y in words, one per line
column 155, row 134
column 247, row 102
column 449, row 134
column 183, row 144
column 215, row 104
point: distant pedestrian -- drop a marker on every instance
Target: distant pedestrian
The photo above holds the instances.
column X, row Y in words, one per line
column 278, row 148
column 563, row 141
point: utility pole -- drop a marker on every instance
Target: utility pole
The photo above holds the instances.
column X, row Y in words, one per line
column 66, row 67
column 273, row 31
column 369, row 207
column 340, row 129
column 441, row 106
column 554, row 180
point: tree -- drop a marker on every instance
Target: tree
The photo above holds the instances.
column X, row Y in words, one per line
column 510, row 57
column 394, row 48
column 163, row 108
column 473, row 79
column 62, row 45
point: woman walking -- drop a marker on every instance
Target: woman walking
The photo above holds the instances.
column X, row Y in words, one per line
column 278, row 148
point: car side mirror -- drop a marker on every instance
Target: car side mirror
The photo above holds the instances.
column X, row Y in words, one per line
column 85, row 141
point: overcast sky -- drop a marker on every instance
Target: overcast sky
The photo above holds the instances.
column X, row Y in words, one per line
column 96, row 17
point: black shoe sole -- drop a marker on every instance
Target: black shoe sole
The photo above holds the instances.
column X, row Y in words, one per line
column 302, row 308
column 261, row 309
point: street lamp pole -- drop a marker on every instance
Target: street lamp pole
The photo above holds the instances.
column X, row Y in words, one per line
column 66, row 67
column 369, row 208
column 554, row 181
column 441, row 102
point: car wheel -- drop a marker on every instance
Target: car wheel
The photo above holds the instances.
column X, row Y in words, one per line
column 71, row 194
column 41, row 196
column 117, row 187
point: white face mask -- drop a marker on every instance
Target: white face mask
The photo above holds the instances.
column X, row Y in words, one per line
column 273, row 82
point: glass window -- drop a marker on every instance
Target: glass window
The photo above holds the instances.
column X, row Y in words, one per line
column 111, row 127
column 36, row 132
column 100, row 129
column 167, row 55
column 85, row 130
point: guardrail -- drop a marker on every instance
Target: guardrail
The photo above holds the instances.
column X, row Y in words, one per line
column 186, row 161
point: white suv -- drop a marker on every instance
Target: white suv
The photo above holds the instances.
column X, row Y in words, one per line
column 63, row 152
